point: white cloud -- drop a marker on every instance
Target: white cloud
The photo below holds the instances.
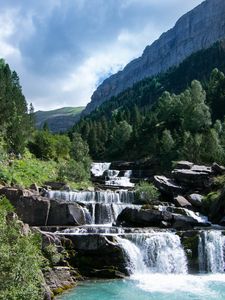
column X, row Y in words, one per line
column 46, row 34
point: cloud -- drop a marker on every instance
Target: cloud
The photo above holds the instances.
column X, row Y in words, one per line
column 63, row 49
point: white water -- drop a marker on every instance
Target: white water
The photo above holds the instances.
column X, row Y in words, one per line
column 103, row 206
column 98, row 169
column 157, row 252
column 211, row 251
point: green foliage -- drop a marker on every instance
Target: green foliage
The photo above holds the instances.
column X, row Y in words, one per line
column 24, row 172
column 146, row 192
column 72, row 171
column 52, row 254
column 20, row 260
column 46, row 145
column 209, row 201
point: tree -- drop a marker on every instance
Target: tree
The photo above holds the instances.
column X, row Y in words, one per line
column 120, row 136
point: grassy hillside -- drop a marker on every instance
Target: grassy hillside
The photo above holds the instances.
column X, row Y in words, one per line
column 58, row 120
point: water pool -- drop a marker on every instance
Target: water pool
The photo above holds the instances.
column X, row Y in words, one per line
column 152, row 287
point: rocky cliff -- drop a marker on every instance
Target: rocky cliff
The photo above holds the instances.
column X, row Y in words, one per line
column 196, row 30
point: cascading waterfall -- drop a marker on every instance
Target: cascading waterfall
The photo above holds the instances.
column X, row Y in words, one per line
column 211, row 251
column 98, row 169
column 103, row 206
column 157, row 252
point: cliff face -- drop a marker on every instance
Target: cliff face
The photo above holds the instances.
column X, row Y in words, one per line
column 196, row 30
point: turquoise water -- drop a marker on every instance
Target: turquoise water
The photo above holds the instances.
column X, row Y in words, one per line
column 152, row 287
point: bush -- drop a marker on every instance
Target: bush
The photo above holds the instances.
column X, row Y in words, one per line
column 146, row 192
column 73, row 171
column 20, row 259
column 24, row 172
column 209, row 201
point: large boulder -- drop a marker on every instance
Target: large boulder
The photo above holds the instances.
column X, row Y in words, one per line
column 196, row 177
column 181, row 222
column 33, row 210
column 167, row 185
column 98, row 256
column 143, row 217
column 195, row 199
column 66, row 213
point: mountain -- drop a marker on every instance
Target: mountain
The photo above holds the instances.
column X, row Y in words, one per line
column 198, row 29
column 58, row 120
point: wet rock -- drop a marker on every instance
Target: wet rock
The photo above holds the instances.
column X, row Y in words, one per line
column 195, row 199
column 180, row 201
column 190, row 241
column 143, row 217
column 64, row 213
column 167, row 185
column 217, row 169
column 98, row 256
column 181, row 222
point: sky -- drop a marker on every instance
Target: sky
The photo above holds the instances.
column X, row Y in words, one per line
column 63, row 49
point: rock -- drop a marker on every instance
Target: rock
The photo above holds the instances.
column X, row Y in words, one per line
column 195, row 199
column 143, row 217
column 66, row 213
column 180, row 201
column 184, row 164
column 217, row 169
column 190, row 241
column 59, row 278
column 34, row 187
column 33, row 210
column 167, row 185
column 98, row 256
column 181, row 222
column 196, row 177
column 13, row 194
column 222, row 221
column 196, row 30
column 57, row 185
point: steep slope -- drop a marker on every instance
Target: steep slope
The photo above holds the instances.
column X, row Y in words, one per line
column 196, row 30
column 58, row 120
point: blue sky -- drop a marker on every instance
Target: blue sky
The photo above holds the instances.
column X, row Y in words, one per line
column 62, row 49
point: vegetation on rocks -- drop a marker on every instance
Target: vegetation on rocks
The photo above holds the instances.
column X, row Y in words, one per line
column 146, row 192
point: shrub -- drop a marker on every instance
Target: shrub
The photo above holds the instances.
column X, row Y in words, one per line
column 72, row 171
column 146, row 192
column 24, row 172
column 20, row 259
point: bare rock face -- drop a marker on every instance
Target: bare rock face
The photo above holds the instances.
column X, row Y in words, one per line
column 198, row 29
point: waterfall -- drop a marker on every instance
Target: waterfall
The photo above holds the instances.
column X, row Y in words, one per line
column 107, row 197
column 134, row 257
column 157, row 252
column 103, row 206
column 211, row 251
column 98, row 169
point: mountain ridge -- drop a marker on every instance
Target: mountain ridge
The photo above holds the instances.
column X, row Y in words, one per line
column 197, row 29
column 58, row 120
